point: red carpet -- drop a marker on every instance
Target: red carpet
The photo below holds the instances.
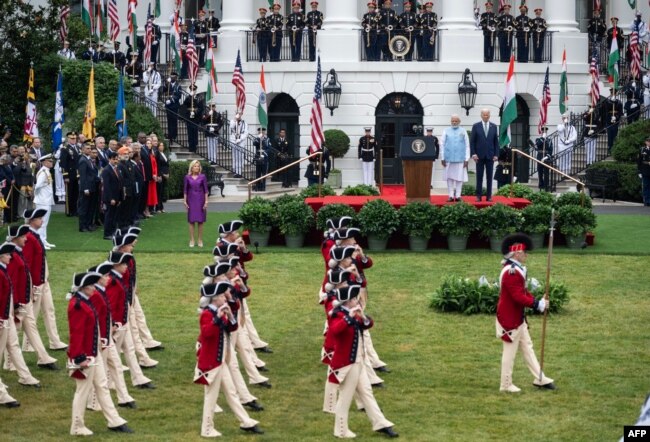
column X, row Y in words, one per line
column 399, row 200
column 393, row 190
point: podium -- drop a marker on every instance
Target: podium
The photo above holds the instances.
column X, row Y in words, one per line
column 418, row 154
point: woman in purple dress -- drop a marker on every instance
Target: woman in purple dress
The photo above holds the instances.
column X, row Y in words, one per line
column 195, row 189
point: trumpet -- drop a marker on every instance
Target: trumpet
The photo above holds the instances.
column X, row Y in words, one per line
column 367, row 36
column 538, row 32
column 433, row 30
column 491, row 29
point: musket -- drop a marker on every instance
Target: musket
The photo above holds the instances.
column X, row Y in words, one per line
column 546, row 290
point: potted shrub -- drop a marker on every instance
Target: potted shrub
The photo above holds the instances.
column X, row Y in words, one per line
column 497, row 221
column 332, row 211
column 312, row 191
column 361, row 190
column 573, row 199
column 295, row 218
column 574, row 222
column 417, row 220
column 258, row 216
column 457, row 222
column 542, row 197
column 536, row 222
column 518, row 191
column 338, row 144
column 378, row 219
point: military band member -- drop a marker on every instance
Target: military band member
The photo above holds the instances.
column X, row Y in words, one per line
column 506, row 27
column 388, row 22
column 295, row 26
column 193, row 122
column 632, row 108
column 611, row 113
column 66, row 52
column 417, row 37
column 429, row 30
column 436, row 148
column 68, row 159
column 85, row 360
column 213, row 121
column 155, row 41
column 276, row 24
column 6, row 319
column 408, row 26
column 217, row 321
column 504, row 170
column 117, row 57
column 370, row 24
column 238, row 133
column 284, row 157
column 511, row 324
column 172, row 105
column 544, row 148
column 314, row 22
column 213, row 27
column 262, row 35
column 367, row 152
column 566, row 140
column 538, row 33
column 347, row 366
column 523, row 26
column 202, row 34
column 489, row 25
column 643, row 164
column 596, row 29
column 262, row 146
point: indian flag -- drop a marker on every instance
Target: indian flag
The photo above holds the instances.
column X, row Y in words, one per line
column 86, row 14
column 262, row 114
column 176, row 43
column 509, row 105
column 612, row 64
column 212, row 79
column 564, row 86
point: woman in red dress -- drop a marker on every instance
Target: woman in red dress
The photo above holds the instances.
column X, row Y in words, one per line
column 152, row 194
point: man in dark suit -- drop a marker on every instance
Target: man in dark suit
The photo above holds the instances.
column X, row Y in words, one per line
column 88, row 179
column 127, row 173
column 484, row 147
column 69, row 157
column 112, row 194
column 145, row 157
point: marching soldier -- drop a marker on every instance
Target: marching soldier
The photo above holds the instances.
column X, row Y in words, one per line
column 6, row 249
column 523, row 25
column 262, row 146
column 276, row 24
column 314, row 21
column 370, row 25
column 539, row 27
column 172, row 104
column 611, row 112
column 489, row 25
column 296, row 23
column 388, row 22
column 367, row 152
column 590, row 120
column 407, row 24
column 262, row 35
column 544, row 147
column 429, row 30
column 213, row 122
column 202, row 34
column 213, row 27
column 596, row 29
column 506, row 27
column 68, row 160
column 511, row 324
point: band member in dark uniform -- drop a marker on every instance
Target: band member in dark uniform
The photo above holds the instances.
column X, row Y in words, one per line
column 596, row 29
column 262, row 146
column 155, row 41
column 284, row 157
column 295, row 25
column 388, row 22
column 523, row 26
column 213, row 27
column 68, row 160
column 538, row 30
column 506, row 26
column 117, row 57
column 504, row 170
column 611, row 111
column 407, row 25
column 262, row 35
column 489, row 25
column 172, row 105
column 202, row 35
column 544, row 148
column 314, row 21
column 213, row 121
column 429, row 29
column 370, row 25
column 318, row 167
column 276, row 24
column 194, row 119
column 590, row 126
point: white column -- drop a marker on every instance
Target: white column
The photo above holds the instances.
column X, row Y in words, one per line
column 457, row 14
column 341, row 14
column 238, row 15
column 561, row 15
column 339, row 39
column 625, row 14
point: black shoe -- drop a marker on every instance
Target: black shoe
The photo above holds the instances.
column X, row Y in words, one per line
column 550, row 386
column 108, row 237
column 378, row 385
column 489, row 200
column 147, row 386
column 264, row 384
column 450, row 200
column 156, row 348
column 13, row 404
column 147, row 367
column 254, row 406
column 266, row 349
column 254, row 429
column 478, row 199
column 128, row 405
column 84, row 230
column 92, row 228
column 37, row 386
column 50, row 366
column 388, row 431
column 121, row 429
column 458, row 200
column 383, row 369
column 262, row 368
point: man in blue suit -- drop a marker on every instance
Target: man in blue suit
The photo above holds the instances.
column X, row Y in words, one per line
column 484, row 147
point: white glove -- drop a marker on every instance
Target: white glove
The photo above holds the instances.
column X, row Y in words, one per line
column 533, row 284
column 360, row 159
column 541, row 305
column 168, row 102
column 640, row 176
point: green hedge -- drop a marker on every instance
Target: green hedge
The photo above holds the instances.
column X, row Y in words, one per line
column 518, row 191
column 628, row 185
column 139, row 119
column 312, row 191
column 177, row 172
column 332, row 211
column 629, row 141
column 361, row 190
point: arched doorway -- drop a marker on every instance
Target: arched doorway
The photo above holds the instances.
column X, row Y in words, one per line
column 284, row 114
column 395, row 116
column 520, row 134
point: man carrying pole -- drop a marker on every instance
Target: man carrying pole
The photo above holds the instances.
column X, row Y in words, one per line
column 511, row 324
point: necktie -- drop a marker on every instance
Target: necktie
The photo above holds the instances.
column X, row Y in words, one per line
column 485, row 128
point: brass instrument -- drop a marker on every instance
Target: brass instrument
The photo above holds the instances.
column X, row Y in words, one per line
column 273, row 30
column 254, row 34
column 432, row 40
column 538, row 31
column 526, row 31
column 491, row 29
column 410, row 29
column 388, row 29
column 294, row 28
column 509, row 30
column 368, row 36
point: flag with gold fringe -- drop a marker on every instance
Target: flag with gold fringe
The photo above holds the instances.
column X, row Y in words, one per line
column 90, row 114
column 30, row 129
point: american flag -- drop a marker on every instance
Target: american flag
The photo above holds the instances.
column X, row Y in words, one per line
column 240, row 85
column 192, row 57
column 148, row 37
column 115, row 19
column 63, row 16
column 502, row 4
column 597, row 4
column 594, row 93
column 635, row 64
column 546, row 99
column 316, row 119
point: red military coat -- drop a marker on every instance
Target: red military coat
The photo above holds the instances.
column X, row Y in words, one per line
column 117, row 301
column 361, row 265
column 84, row 330
column 346, row 334
column 5, row 293
column 513, row 296
column 103, row 314
column 34, row 252
column 20, row 278
column 212, row 339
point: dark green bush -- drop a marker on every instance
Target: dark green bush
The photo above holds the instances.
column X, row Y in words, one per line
column 332, row 211
column 470, row 190
column 575, row 220
column 629, row 141
column 337, row 142
column 379, row 218
column 418, row 219
column 518, row 191
column 361, row 190
column 258, row 214
column 499, row 220
column 628, row 185
column 286, row 198
column 295, row 217
column 458, row 219
column 542, row 197
column 139, row 119
column 312, row 191
column 573, row 199
column 536, row 218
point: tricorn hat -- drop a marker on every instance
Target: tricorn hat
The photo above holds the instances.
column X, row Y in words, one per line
column 347, row 293
column 16, row 231
column 230, row 226
column 212, row 290
column 224, row 249
column 7, row 248
column 517, row 242
column 85, row 279
column 102, row 268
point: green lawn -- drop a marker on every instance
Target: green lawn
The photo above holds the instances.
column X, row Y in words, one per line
column 445, row 379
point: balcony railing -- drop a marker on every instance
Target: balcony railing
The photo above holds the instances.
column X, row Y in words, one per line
column 373, row 48
column 278, row 45
column 534, row 40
